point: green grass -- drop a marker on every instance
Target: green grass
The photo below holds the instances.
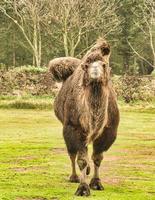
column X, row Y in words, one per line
column 26, row 102
column 34, row 163
column 46, row 102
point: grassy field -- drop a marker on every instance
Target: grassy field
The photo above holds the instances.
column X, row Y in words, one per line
column 34, row 163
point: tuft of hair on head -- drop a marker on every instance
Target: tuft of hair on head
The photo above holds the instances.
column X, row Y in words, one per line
column 102, row 44
column 101, row 47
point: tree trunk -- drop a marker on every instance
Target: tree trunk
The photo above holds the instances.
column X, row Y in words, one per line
column 72, row 49
column 33, row 60
column 14, row 51
column 37, row 44
column 65, row 44
column 126, row 62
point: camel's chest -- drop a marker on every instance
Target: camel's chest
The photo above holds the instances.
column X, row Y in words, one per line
column 92, row 119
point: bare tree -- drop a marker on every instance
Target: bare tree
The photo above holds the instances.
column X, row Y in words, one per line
column 28, row 16
column 74, row 19
column 146, row 23
column 68, row 21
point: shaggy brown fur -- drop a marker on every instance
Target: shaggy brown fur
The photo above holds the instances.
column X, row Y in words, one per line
column 88, row 111
column 62, row 68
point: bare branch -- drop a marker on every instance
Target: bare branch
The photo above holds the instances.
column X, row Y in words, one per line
column 140, row 56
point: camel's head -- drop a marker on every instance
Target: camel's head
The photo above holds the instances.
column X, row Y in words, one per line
column 96, row 64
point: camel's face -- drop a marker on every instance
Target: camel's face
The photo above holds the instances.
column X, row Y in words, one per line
column 96, row 69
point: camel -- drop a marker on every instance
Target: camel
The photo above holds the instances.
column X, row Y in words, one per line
column 87, row 107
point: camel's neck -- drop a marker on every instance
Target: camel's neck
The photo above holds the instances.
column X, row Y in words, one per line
column 97, row 101
column 96, row 96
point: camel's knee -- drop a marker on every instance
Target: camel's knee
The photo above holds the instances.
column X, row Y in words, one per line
column 82, row 159
column 97, row 159
column 82, row 163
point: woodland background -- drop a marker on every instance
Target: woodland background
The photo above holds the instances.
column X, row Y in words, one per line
column 34, row 164
column 33, row 32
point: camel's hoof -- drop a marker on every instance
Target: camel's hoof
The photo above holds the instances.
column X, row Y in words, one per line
column 74, row 179
column 95, row 184
column 83, row 190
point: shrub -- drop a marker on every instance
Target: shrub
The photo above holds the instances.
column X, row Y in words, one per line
column 132, row 88
column 31, row 81
column 27, row 104
column 30, row 69
column 26, row 80
column 2, row 66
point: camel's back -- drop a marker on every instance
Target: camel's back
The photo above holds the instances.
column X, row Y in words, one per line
column 61, row 68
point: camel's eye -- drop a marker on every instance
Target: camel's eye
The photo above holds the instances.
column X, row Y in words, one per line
column 85, row 66
column 104, row 65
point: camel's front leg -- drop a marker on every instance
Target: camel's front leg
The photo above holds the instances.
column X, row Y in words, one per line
column 74, row 177
column 100, row 145
column 82, row 160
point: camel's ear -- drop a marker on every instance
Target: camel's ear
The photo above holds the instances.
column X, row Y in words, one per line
column 105, row 50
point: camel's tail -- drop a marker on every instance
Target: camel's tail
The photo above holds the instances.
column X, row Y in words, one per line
column 61, row 68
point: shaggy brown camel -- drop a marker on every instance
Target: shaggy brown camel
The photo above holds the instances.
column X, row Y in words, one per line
column 86, row 105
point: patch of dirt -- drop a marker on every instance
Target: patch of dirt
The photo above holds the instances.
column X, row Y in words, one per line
column 35, row 198
column 27, row 169
column 112, row 158
column 137, row 166
column 39, row 198
column 19, row 169
column 113, row 180
column 58, row 150
column 28, row 157
column 122, row 150
column 21, row 199
column 151, row 192
column 139, row 150
column 138, row 178
column 17, row 160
